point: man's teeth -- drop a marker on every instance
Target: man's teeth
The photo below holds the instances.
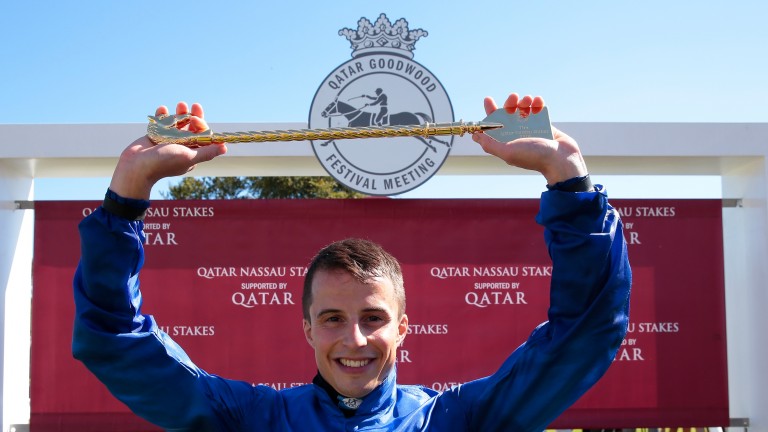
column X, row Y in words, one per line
column 354, row 363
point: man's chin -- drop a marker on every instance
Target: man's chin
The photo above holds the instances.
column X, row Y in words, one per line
column 357, row 389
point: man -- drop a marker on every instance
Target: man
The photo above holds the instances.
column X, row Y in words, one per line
column 381, row 100
column 354, row 314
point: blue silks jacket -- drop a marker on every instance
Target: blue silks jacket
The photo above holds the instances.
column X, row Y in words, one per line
column 561, row 359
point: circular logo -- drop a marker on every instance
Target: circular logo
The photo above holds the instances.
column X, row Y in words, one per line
column 381, row 90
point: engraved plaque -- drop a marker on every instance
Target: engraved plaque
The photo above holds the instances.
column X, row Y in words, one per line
column 517, row 125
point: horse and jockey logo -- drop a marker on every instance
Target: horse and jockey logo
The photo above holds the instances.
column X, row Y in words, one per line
column 359, row 117
column 381, row 86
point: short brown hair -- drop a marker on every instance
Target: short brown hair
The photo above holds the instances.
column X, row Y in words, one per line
column 363, row 259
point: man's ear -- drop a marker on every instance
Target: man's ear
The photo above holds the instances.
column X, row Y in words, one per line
column 308, row 332
column 402, row 329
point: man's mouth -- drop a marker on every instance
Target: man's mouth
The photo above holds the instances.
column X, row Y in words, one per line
column 354, row 363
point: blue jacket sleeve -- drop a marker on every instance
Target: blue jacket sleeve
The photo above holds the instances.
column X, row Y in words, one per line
column 587, row 320
column 126, row 350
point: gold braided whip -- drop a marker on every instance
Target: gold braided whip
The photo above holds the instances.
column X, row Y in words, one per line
column 164, row 129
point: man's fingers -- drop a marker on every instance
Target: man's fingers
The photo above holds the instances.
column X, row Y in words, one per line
column 206, row 153
column 197, row 110
column 490, row 105
column 194, row 124
column 489, row 145
column 197, row 125
column 512, row 102
column 525, row 102
column 182, row 108
column 561, row 136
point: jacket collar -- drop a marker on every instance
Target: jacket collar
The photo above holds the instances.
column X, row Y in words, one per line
column 381, row 398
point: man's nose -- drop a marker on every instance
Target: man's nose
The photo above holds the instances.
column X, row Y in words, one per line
column 355, row 337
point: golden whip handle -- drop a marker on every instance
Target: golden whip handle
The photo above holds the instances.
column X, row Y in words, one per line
column 164, row 129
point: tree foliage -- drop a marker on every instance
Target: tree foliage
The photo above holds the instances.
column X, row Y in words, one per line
column 259, row 187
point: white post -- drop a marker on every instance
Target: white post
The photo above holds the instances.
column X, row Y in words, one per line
column 745, row 236
column 16, row 245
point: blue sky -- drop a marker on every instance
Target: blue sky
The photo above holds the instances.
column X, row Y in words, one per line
column 113, row 62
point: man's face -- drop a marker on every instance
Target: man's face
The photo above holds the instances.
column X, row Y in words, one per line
column 355, row 330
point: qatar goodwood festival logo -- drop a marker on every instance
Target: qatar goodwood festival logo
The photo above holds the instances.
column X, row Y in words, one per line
column 381, row 86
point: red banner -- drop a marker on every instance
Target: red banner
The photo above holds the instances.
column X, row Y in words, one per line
column 224, row 279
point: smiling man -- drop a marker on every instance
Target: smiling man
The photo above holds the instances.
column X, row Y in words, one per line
column 354, row 314
column 354, row 318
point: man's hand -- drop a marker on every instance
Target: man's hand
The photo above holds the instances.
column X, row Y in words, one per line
column 142, row 163
column 558, row 160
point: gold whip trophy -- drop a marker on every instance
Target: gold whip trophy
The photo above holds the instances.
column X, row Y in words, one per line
column 501, row 125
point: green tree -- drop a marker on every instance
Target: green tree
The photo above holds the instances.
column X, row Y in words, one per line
column 259, row 187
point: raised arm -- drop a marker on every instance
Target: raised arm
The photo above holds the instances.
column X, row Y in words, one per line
column 143, row 164
column 123, row 348
column 557, row 160
column 589, row 293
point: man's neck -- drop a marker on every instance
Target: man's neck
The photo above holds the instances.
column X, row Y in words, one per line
column 346, row 404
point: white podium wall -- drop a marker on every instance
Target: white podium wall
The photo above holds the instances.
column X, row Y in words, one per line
column 734, row 152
